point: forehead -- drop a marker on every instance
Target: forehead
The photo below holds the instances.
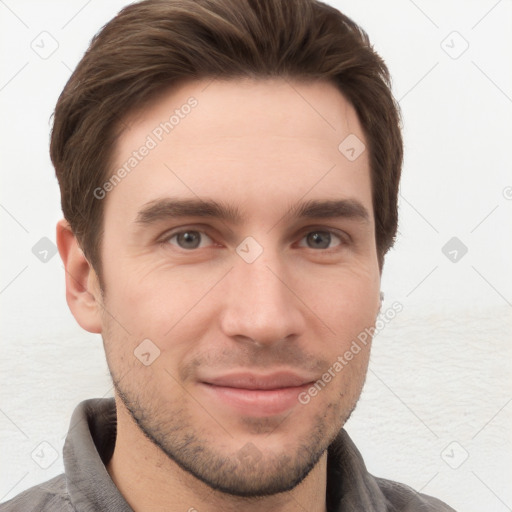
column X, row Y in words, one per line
column 260, row 143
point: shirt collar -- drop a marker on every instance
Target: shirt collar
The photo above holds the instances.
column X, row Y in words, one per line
column 88, row 447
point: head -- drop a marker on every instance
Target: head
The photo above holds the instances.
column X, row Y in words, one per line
column 229, row 174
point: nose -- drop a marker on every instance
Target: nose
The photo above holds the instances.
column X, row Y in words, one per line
column 260, row 304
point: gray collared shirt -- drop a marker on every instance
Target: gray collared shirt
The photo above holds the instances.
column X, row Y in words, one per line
column 86, row 486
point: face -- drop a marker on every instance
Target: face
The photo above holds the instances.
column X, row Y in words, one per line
column 240, row 246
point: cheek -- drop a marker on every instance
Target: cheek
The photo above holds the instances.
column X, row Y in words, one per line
column 348, row 365
column 348, row 301
column 140, row 291
column 169, row 308
column 350, row 310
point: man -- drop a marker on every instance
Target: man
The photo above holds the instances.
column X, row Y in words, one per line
column 229, row 173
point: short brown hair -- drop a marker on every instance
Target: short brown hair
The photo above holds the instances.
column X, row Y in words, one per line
column 153, row 44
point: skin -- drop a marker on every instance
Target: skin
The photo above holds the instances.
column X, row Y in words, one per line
column 261, row 146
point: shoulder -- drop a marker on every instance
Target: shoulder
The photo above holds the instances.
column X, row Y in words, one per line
column 48, row 496
column 402, row 498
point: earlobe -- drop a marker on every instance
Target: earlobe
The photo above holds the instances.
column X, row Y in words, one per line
column 82, row 287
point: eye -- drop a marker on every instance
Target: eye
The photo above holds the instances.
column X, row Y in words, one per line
column 190, row 239
column 187, row 239
column 321, row 239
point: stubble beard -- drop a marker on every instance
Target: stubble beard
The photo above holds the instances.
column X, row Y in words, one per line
column 251, row 476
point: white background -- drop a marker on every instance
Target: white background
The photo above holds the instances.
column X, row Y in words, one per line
column 439, row 389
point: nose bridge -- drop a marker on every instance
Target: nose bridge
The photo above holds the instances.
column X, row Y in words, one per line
column 259, row 304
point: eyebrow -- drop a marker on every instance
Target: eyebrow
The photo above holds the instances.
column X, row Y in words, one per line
column 173, row 207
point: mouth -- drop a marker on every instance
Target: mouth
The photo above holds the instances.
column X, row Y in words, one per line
column 256, row 395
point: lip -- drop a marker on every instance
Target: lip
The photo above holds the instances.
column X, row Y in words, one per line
column 256, row 395
column 254, row 381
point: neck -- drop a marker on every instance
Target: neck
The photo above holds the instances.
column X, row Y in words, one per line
column 150, row 481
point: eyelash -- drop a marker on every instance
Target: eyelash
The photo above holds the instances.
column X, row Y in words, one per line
column 343, row 238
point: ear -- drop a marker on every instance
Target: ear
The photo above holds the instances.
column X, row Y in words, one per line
column 83, row 293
